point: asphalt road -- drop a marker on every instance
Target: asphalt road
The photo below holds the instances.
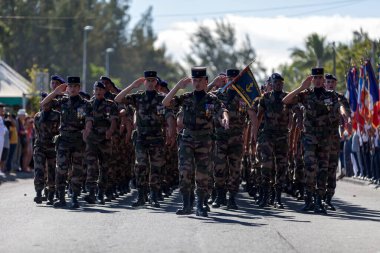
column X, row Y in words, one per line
column 116, row 227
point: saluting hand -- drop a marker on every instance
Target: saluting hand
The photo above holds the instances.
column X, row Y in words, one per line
column 60, row 90
column 183, row 82
column 138, row 82
column 306, row 83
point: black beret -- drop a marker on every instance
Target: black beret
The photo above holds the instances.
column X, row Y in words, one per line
column 330, row 77
column 57, row 78
column 99, row 84
column 317, row 71
column 163, row 83
column 197, row 72
column 150, row 74
column 276, row 76
column 105, row 78
column 73, row 79
column 232, row 72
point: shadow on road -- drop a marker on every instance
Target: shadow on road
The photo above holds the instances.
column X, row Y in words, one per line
column 14, row 177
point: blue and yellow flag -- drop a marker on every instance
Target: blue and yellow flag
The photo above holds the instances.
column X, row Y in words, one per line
column 246, row 86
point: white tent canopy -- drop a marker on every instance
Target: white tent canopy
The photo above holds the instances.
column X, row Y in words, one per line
column 13, row 86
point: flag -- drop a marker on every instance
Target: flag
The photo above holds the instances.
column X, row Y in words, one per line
column 353, row 97
column 373, row 94
column 363, row 105
column 246, row 86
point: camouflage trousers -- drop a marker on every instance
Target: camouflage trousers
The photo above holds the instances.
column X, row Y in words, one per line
column 114, row 170
column 44, row 158
column 298, row 176
column 194, row 159
column 97, row 157
column 273, row 157
column 126, row 162
column 149, row 162
column 227, row 167
column 333, row 163
column 70, row 159
column 170, row 170
column 316, row 158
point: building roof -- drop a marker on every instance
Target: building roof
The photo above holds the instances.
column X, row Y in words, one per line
column 12, row 84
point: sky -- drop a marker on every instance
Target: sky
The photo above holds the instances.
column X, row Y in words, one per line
column 274, row 27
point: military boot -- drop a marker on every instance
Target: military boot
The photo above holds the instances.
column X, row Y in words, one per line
column 219, row 198
column 44, row 196
column 319, row 207
column 272, row 196
column 140, row 200
column 205, row 204
column 278, row 203
column 224, row 197
column 259, row 199
column 61, row 199
column 90, row 198
column 101, row 197
column 200, row 210
column 308, row 202
column 212, row 197
column 109, row 195
column 50, row 199
column 231, row 204
column 154, row 199
column 186, row 207
column 74, row 201
column 38, row 197
column 265, row 197
column 328, row 202
column 160, row 196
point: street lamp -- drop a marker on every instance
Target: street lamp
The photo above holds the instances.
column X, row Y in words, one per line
column 108, row 51
column 85, row 30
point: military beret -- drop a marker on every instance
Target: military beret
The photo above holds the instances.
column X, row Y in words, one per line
column 73, row 80
column 317, row 71
column 99, row 84
column 197, row 72
column 150, row 74
column 163, row 83
column 105, row 78
column 232, row 72
column 43, row 95
column 330, row 77
column 57, row 78
column 276, row 76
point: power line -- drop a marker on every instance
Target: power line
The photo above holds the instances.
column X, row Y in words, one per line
column 41, row 18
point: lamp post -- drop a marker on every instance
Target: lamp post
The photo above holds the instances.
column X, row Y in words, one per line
column 108, row 51
column 85, row 30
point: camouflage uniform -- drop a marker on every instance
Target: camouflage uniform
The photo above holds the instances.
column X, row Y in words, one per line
column 335, row 122
column 229, row 146
column 273, row 143
column 70, row 145
column 98, row 148
column 148, row 139
column 195, row 141
column 316, row 144
column 46, row 124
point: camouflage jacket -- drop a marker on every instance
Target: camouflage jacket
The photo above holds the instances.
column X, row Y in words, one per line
column 276, row 113
column 335, row 116
column 150, row 112
column 198, row 115
column 317, row 112
column 46, row 125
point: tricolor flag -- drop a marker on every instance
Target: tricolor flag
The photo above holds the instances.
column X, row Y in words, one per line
column 373, row 95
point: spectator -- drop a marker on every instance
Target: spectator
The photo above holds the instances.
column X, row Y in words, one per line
column 4, row 155
column 27, row 151
column 2, row 130
column 20, row 121
column 13, row 141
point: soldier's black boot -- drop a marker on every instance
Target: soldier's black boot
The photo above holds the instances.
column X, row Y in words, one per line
column 231, row 203
column 61, row 199
column 328, row 202
column 74, row 201
column 140, row 201
column 154, row 199
column 50, row 199
column 200, row 210
column 109, row 195
column 44, row 196
column 205, row 204
column 90, row 198
column 219, row 198
column 278, row 204
column 261, row 196
column 308, row 202
column 265, row 197
column 319, row 207
column 160, row 196
column 186, row 207
column 272, row 196
column 224, row 197
column 101, row 197
column 212, row 197
column 38, row 197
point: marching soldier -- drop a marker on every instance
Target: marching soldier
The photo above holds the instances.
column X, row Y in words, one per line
column 148, row 137
column 318, row 104
column 195, row 143
column 336, row 122
column 273, row 140
column 102, row 118
column 46, row 124
column 69, row 144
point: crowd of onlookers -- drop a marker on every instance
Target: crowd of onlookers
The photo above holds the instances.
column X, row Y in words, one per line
column 16, row 141
column 360, row 156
